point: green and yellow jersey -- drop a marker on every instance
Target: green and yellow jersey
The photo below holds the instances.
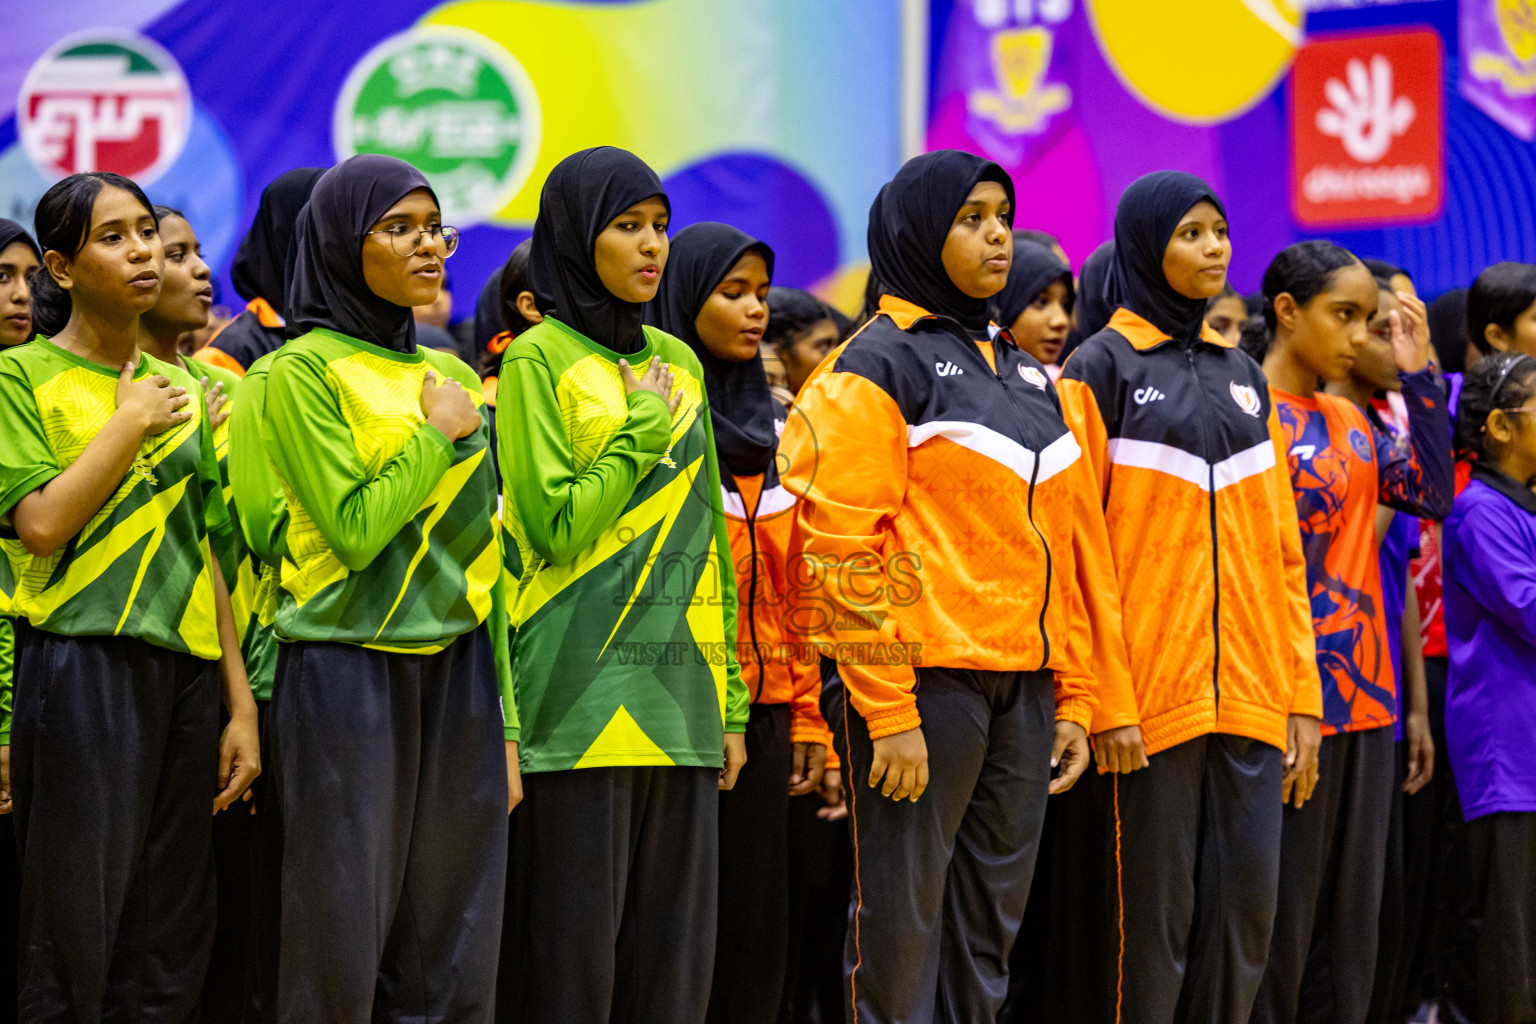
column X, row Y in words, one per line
column 620, row 579
column 142, row 566
column 391, row 539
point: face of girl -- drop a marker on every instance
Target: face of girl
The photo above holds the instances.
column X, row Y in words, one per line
column 415, row 278
column 1042, row 328
column 1510, row 437
column 1521, row 338
column 16, row 262
column 119, row 267
column 1195, row 262
column 1376, row 368
column 1226, row 317
column 632, row 251
column 979, row 247
column 731, row 321
column 186, row 289
column 806, row 352
column 1329, row 333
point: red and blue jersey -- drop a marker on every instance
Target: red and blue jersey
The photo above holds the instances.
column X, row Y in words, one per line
column 1341, row 467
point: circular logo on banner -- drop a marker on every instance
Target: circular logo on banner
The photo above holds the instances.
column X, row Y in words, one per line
column 451, row 103
column 104, row 100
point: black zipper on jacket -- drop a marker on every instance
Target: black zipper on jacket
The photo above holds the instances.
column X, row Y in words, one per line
column 1034, row 475
column 1215, row 547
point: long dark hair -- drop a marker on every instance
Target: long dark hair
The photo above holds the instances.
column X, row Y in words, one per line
column 1303, row 271
column 63, row 223
column 1499, row 295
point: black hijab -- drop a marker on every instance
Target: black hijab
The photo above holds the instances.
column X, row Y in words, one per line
column 1149, row 211
column 741, row 407
column 328, row 289
column 11, row 233
column 264, row 262
column 1096, row 300
column 582, row 194
column 1033, row 270
column 908, row 223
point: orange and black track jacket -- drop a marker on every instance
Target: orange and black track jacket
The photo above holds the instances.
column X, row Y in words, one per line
column 1203, row 551
column 775, row 666
column 941, row 496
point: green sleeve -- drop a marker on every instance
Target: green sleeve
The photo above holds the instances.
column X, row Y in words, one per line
column 7, row 676
column 27, row 460
column 215, row 511
column 257, row 490
column 560, row 510
column 501, row 649
column 311, row 445
column 738, row 703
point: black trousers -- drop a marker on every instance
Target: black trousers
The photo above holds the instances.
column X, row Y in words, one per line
column 614, row 889
column 753, row 934
column 1195, row 861
column 392, row 775
column 1391, row 943
column 114, row 767
column 940, row 885
column 1503, row 861
column 820, row 878
column 1322, row 961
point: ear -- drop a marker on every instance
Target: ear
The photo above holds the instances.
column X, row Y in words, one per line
column 1285, row 311
column 528, row 308
column 1498, row 339
column 59, row 268
column 1499, row 428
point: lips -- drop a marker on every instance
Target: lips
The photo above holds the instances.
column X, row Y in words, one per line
column 650, row 272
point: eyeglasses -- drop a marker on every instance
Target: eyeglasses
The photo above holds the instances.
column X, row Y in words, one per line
column 406, row 240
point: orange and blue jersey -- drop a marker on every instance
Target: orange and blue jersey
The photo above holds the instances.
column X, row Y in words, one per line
column 1341, row 467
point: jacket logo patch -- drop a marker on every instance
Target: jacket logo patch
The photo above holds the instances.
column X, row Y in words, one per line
column 947, row 369
column 1247, row 399
column 1361, row 444
column 1145, row 395
column 1033, row 376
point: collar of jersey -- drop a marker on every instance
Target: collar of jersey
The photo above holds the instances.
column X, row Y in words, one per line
column 906, row 315
column 370, row 347
column 634, row 358
column 1505, row 485
column 144, row 367
column 1144, row 337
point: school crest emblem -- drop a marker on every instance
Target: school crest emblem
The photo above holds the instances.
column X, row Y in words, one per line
column 104, row 100
column 454, row 105
column 1247, row 399
column 1361, row 444
column 1033, row 376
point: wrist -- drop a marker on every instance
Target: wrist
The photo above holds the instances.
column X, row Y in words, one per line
column 136, row 420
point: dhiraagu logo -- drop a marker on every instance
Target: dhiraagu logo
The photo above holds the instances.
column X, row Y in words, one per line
column 453, row 104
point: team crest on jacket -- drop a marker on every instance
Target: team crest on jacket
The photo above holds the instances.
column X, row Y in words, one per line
column 1361, row 444
column 1247, row 399
column 1033, row 376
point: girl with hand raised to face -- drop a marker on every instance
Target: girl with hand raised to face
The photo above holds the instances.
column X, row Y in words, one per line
column 1212, row 720
column 1319, row 300
column 625, row 612
column 111, row 504
column 941, row 502
column 392, row 683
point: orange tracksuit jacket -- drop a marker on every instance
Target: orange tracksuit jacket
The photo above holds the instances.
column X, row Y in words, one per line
column 1203, row 550
column 775, row 668
column 941, row 498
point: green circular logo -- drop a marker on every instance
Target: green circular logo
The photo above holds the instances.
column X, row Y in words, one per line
column 451, row 103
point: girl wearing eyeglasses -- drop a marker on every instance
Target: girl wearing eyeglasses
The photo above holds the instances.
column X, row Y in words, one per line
column 395, row 768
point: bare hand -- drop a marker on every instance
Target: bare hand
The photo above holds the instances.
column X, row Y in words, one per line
column 1120, row 750
column 215, row 399
column 1303, row 737
column 5, row 779
column 1421, row 752
column 514, row 777
column 657, row 380
column 448, row 407
column 902, row 760
column 807, row 763
column 835, row 806
column 1070, row 752
column 239, row 760
column 735, row 758
column 1410, row 334
column 153, row 403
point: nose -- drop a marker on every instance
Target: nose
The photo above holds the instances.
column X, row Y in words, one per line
column 650, row 242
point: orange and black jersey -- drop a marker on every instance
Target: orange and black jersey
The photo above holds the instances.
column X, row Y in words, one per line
column 941, row 494
column 1204, row 552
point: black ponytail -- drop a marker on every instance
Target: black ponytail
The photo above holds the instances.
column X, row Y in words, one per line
column 1499, row 295
column 1500, row 380
column 50, row 303
column 1304, row 271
